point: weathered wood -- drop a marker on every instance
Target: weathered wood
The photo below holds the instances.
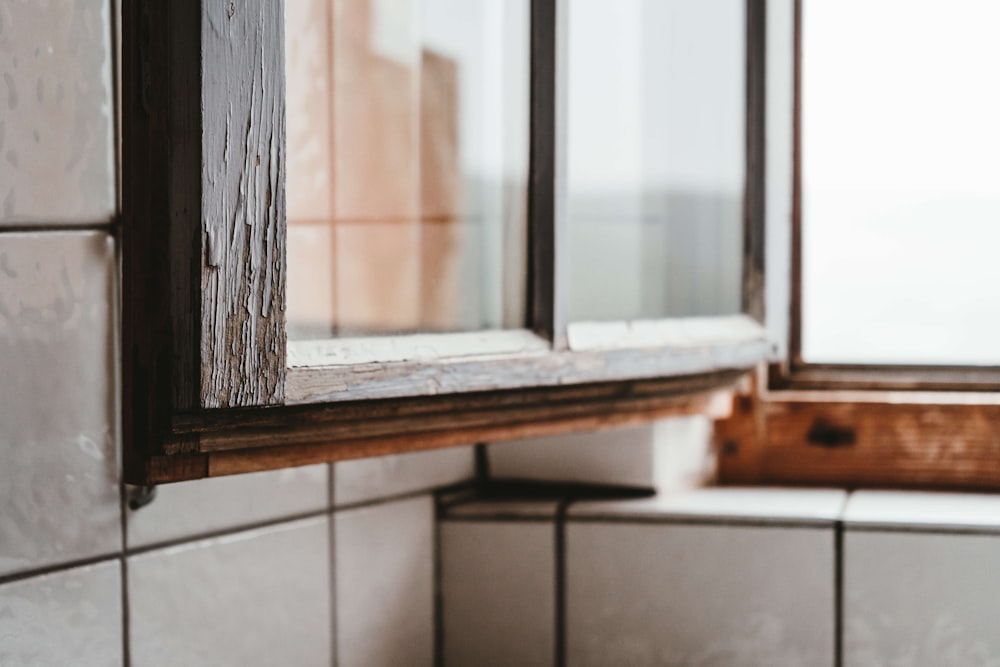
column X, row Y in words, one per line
column 244, row 440
column 745, row 346
column 862, row 439
column 202, row 221
column 419, row 415
column 243, row 204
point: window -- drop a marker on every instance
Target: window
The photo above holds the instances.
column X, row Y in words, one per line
column 607, row 257
column 881, row 194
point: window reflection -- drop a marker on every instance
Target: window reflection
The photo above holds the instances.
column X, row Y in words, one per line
column 407, row 136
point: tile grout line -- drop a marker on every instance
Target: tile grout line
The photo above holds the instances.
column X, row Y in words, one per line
column 409, row 495
column 332, row 564
column 123, row 564
column 334, row 651
column 17, row 577
column 438, row 611
column 560, row 583
column 224, row 532
column 838, row 594
column 109, row 227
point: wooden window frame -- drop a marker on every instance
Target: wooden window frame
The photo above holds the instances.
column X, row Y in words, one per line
column 890, row 426
column 207, row 386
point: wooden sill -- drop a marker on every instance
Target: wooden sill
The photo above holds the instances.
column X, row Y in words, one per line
column 226, row 442
column 857, row 439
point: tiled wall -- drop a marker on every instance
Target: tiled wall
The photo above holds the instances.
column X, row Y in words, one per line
column 717, row 576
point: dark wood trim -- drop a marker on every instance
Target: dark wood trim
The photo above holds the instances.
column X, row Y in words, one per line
column 754, row 199
column 157, row 271
column 862, row 377
column 224, row 442
column 795, row 291
column 544, row 304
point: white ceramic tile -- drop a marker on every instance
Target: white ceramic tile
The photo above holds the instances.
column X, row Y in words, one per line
column 255, row 598
column 921, row 599
column 58, row 455
column 384, row 560
column 73, row 617
column 56, row 132
column 206, row 505
column 755, row 504
column 923, row 510
column 683, row 457
column 618, row 456
column 362, row 480
column 668, row 594
column 498, row 593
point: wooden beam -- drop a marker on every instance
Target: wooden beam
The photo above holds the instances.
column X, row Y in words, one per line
column 232, row 441
column 862, row 439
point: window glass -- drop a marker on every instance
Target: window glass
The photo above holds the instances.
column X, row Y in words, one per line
column 901, row 182
column 656, row 104
column 407, row 126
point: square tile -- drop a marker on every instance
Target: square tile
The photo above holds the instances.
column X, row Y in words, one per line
column 922, row 510
column 308, row 109
column 724, row 504
column 363, row 480
column 920, row 599
column 498, row 592
column 384, row 562
column 56, row 130
column 188, row 509
column 72, row 617
column 377, row 282
column 670, row 594
column 623, row 456
column 310, row 300
column 256, row 598
column 58, row 425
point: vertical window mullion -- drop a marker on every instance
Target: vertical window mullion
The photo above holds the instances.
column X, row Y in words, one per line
column 754, row 202
column 547, row 268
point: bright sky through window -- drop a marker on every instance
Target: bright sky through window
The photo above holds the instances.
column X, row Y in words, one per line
column 901, row 181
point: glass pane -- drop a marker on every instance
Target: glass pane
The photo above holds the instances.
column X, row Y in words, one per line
column 407, row 125
column 656, row 157
column 901, row 181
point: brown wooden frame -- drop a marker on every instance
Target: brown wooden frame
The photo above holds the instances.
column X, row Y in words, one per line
column 935, row 427
column 203, row 275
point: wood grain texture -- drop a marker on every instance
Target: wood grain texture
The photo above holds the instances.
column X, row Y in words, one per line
column 243, row 204
column 202, row 222
column 227, row 442
column 505, row 372
column 873, row 439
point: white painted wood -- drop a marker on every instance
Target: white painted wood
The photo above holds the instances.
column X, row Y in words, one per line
column 317, row 384
column 778, row 241
column 243, row 203
column 417, row 347
column 681, row 331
